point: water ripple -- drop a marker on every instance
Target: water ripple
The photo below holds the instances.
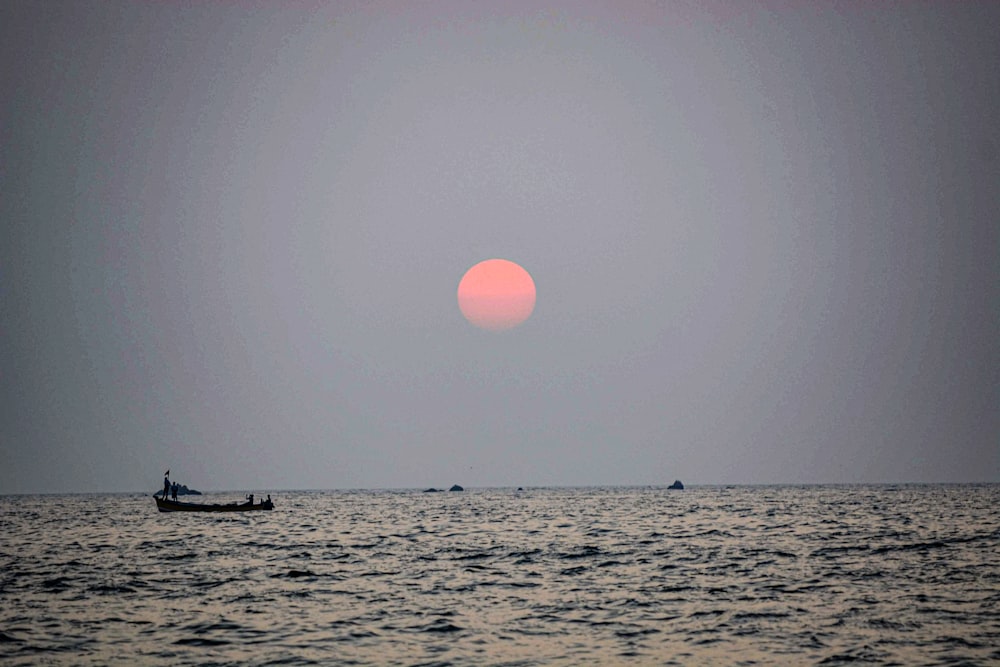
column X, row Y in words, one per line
column 726, row 575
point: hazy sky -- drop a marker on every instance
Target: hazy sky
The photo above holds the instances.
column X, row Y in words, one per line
column 765, row 238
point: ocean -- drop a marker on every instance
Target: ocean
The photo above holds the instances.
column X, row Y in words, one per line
column 754, row 575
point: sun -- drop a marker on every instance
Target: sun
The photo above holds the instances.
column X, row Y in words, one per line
column 496, row 294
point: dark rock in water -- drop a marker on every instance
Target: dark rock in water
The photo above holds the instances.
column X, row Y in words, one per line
column 456, row 487
column 431, row 490
column 676, row 485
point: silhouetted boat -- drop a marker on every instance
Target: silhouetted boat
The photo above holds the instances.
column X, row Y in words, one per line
column 174, row 506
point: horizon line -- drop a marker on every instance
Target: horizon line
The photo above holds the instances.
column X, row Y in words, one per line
column 422, row 489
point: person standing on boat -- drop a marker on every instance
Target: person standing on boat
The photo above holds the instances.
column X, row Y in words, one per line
column 166, row 484
column 173, row 492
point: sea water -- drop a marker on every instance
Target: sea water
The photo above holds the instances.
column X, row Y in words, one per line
column 827, row 575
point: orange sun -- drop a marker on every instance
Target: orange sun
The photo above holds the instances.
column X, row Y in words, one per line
column 496, row 294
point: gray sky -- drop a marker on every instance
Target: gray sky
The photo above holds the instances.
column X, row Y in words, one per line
column 764, row 238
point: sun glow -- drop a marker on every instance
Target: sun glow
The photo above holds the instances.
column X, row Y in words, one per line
column 496, row 294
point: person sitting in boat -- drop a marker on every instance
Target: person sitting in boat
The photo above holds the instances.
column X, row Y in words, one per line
column 250, row 499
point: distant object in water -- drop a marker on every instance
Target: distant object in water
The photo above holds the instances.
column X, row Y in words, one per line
column 431, row 490
column 182, row 490
column 676, row 485
column 249, row 506
column 456, row 487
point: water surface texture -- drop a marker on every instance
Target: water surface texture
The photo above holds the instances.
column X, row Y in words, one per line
column 712, row 575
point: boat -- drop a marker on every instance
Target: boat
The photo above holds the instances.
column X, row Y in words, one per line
column 182, row 490
column 166, row 505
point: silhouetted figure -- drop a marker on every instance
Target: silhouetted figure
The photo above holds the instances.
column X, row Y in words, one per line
column 250, row 499
column 166, row 484
column 173, row 491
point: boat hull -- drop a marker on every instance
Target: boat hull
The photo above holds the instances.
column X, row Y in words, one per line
column 174, row 506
